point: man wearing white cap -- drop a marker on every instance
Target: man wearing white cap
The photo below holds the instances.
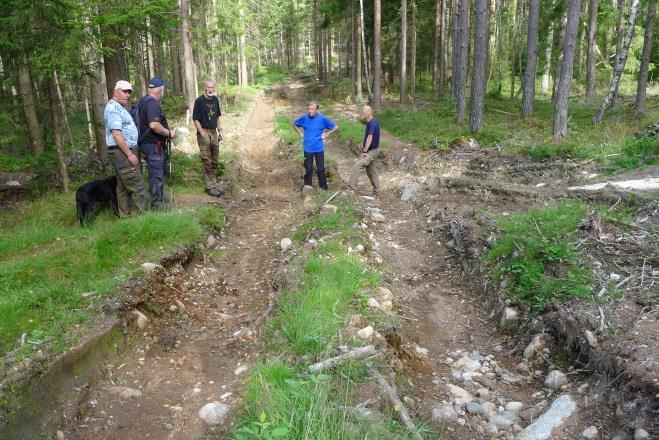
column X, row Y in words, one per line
column 121, row 137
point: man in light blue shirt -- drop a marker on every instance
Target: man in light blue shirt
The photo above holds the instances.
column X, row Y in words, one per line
column 121, row 137
column 317, row 128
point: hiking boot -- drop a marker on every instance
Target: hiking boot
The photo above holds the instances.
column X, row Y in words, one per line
column 214, row 192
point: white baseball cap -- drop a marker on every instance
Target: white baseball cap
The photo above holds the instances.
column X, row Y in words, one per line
column 123, row 85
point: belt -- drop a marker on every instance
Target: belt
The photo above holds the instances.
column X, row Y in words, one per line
column 114, row 147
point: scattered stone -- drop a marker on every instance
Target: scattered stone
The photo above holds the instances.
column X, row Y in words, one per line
column 535, row 346
column 372, row 302
column 173, row 308
column 240, row 370
column 307, row 189
column 180, row 305
column 377, row 217
column 590, row 432
column 529, row 414
column 286, row 244
column 583, row 388
column 474, row 407
column 491, row 429
column 408, row 191
column 384, row 294
column 489, row 408
column 141, row 319
column 541, row 429
column 125, row 392
column 591, row 338
column 210, row 241
column 421, row 350
column 504, row 420
column 60, row 435
column 641, row 434
column 555, row 379
column 467, row 364
column 615, row 277
column 444, row 413
column 313, row 244
column 214, row 413
column 368, row 414
column 148, row 267
column 462, row 396
column 387, row 306
column 514, row 406
column 365, row 333
column 328, row 209
column 509, row 316
column 360, row 248
column 483, row 393
column 523, row 367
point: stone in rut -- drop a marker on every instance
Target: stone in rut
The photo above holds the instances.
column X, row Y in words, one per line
column 541, row 429
column 286, row 244
column 444, row 413
column 641, row 434
column 214, row 413
column 555, row 379
column 328, row 209
column 589, row 433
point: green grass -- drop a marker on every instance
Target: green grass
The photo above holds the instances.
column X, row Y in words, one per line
column 284, row 131
column 505, row 128
column 536, row 253
column 47, row 261
column 282, row 399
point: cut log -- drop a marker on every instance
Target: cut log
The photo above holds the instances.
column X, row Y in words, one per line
column 396, row 403
column 358, row 353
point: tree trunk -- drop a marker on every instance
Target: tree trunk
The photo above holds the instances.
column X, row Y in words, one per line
column 377, row 53
column 528, row 88
column 460, row 70
column 515, row 49
column 443, row 45
column 438, row 45
column 403, row 51
column 26, row 90
column 64, row 117
column 620, row 64
column 578, row 57
column 139, row 63
column 364, row 51
column 544, row 85
column 639, row 104
column 620, row 31
column 58, row 134
column 98, row 100
column 413, row 60
column 591, row 74
column 455, row 74
column 480, row 64
column 113, row 59
column 175, row 58
column 565, row 76
column 357, row 62
column 188, row 67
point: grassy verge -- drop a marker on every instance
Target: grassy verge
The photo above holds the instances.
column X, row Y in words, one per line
column 536, row 253
column 283, row 400
column 54, row 274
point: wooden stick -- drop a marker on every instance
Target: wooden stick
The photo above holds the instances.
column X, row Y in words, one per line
column 395, row 401
column 357, row 353
column 333, row 195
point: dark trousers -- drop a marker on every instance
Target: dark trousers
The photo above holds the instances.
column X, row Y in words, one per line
column 320, row 168
column 155, row 164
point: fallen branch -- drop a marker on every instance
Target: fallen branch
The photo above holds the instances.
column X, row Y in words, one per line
column 358, row 353
column 395, row 401
column 330, row 199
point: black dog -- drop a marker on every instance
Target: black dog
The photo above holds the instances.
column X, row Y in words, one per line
column 102, row 191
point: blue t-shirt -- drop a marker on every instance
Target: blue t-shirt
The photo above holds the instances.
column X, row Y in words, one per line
column 372, row 127
column 117, row 118
column 313, row 131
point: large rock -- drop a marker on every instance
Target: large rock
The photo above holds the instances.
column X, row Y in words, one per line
column 285, row 244
column 214, row 413
column 462, row 396
column 641, row 434
column 503, row 420
column 509, row 316
column 555, row 379
column 408, row 191
column 535, row 346
column 444, row 413
column 541, row 429
column 466, row 363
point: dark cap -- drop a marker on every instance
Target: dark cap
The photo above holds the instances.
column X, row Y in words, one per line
column 156, row 81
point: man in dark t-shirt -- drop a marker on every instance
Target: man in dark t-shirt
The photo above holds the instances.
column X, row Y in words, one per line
column 153, row 139
column 369, row 153
column 206, row 117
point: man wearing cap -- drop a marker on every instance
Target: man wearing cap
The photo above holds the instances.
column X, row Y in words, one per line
column 153, row 141
column 121, row 138
column 206, row 117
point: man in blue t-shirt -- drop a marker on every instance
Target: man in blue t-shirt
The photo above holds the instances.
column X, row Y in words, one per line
column 369, row 153
column 317, row 128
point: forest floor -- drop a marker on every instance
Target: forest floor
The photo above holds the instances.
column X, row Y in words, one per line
column 206, row 312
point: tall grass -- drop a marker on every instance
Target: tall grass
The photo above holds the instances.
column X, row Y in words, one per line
column 47, row 261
